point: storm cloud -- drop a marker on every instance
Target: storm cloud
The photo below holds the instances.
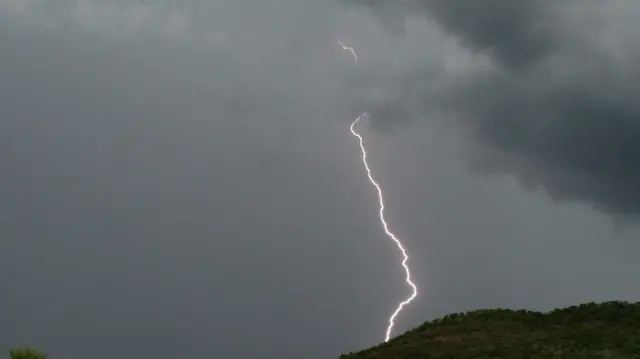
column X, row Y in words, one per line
column 556, row 103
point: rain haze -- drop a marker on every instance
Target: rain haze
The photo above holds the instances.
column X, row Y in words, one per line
column 178, row 177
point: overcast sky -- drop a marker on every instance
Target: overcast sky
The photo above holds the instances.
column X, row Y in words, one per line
column 177, row 177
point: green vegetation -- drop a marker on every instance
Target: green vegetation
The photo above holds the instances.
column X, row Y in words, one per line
column 592, row 330
column 26, row 353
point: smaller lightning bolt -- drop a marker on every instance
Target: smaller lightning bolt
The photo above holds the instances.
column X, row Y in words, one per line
column 350, row 49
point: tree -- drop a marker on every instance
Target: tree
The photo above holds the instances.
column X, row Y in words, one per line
column 26, row 353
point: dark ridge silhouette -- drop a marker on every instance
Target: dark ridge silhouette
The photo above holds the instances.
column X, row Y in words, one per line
column 590, row 330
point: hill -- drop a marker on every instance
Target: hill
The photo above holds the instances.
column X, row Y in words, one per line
column 591, row 330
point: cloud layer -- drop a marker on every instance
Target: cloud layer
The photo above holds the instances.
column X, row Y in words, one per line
column 556, row 105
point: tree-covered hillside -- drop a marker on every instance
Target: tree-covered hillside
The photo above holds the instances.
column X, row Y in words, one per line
column 592, row 330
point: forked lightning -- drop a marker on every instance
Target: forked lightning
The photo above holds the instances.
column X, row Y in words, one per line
column 414, row 289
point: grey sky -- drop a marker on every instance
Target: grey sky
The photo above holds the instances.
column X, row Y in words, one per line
column 178, row 177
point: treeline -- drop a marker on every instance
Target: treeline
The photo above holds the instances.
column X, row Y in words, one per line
column 590, row 330
column 26, row 353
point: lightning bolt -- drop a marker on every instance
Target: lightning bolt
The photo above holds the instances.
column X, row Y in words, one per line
column 385, row 226
column 350, row 49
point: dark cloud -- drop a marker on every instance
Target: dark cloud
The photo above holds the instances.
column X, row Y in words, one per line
column 557, row 106
column 515, row 33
